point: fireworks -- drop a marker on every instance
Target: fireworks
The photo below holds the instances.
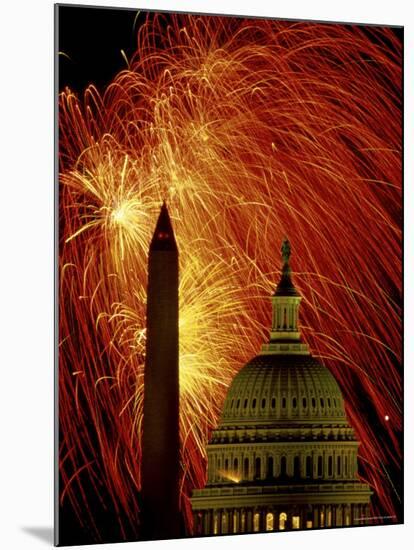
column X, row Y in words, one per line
column 252, row 130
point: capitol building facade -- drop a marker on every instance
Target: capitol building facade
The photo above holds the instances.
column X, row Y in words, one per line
column 283, row 455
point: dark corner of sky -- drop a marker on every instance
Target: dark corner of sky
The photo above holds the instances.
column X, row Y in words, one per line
column 90, row 44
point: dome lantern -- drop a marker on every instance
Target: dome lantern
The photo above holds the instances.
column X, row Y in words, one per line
column 285, row 334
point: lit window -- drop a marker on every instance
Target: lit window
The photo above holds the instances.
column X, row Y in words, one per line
column 309, row 520
column 329, row 518
column 224, row 523
column 256, row 522
column 339, row 516
column 215, row 526
column 243, row 522
column 235, row 522
column 295, row 522
column 269, row 521
column 322, row 519
column 282, row 521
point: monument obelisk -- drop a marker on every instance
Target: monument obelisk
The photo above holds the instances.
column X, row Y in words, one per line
column 160, row 471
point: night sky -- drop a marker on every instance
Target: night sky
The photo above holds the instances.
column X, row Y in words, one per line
column 93, row 39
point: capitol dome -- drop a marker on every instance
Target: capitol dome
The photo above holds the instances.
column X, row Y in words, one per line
column 283, row 389
column 283, row 455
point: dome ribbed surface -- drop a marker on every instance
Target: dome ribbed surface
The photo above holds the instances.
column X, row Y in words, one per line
column 283, row 388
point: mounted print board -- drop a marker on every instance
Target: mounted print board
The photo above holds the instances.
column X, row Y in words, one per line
column 229, row 275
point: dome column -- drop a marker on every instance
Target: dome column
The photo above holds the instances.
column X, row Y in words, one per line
column 316, row 516
column 239, row 520
column 367, row 512
column 249, row 520
column 334, row 510
column 236, row 520
column 207, row 526
column 241, row 524
column 302, row 516
column 230, row 520
column 217, row 522
column 199, row 522
column 354, row 514
column 339, row 515
column 359, row 515
column 262, row 519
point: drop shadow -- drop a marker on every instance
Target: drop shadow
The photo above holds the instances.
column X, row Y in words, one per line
column 44, row 534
